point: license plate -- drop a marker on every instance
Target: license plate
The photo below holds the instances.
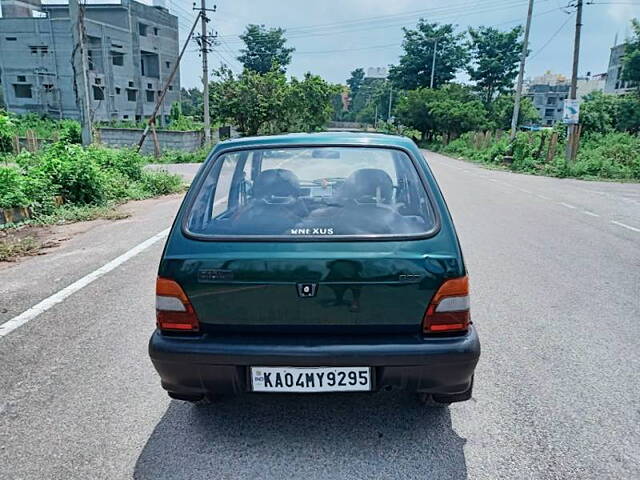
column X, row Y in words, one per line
column 310, row 379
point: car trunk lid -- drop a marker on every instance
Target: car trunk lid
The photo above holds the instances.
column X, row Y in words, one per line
column 303, row 292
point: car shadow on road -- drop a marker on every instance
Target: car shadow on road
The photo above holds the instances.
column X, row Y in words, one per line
column 262, row 436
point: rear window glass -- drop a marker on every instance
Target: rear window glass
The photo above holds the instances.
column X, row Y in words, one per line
column 311, row 192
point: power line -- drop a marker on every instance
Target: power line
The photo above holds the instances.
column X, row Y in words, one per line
column 373, row 47
column 551, row 38
column 359, row 25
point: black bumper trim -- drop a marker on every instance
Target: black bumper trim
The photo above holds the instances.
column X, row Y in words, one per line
column 217, row 364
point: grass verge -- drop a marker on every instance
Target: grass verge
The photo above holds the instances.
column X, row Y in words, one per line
column 11, row 249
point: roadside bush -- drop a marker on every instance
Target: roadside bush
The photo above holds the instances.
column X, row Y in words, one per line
column 178, row 156
column 6, row 133
column 74, row 173
column 613, row 155
column 12, row 188
column 94, row 176
column 160, row 183
column 126, row 161
column 70, row 131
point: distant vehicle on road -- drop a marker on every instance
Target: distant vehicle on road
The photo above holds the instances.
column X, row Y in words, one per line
column 314, row 263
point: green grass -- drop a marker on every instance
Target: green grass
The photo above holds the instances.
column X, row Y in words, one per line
column 79, row 213
column 611, row 156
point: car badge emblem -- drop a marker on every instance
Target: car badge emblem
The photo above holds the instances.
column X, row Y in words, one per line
column 307, row 290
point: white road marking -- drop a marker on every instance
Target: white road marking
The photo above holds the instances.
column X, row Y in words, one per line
column 543, row 197
column 525, row 190
column 568, row 205
column 41, row 307
column 587, row 212
column 624, row 225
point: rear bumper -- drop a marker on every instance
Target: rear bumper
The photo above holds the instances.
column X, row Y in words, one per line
column 218, row 364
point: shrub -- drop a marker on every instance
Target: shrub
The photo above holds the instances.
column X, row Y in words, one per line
column 178, row 156
column 613, row 155
column 70, row 131
column 90, row 177
column 616, row 155
column 6, row 133
column 126, row 161
column 12, row 188
column 160, row 182
column 73, row 172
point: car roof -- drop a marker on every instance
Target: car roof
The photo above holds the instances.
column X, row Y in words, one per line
column 323, row 138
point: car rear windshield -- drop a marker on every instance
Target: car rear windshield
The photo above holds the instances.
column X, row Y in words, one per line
column 311, row 192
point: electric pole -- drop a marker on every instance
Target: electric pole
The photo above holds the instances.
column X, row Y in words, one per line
column 152, row 119
column 523, row 58
column 205, row 41
column 572, row 140
column 80, row 69
column 390, row 102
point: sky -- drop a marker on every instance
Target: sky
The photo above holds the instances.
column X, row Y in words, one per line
column 333, row 37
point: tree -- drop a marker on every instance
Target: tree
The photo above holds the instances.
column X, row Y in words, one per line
column 631, row 68
column 191, row 103
column 448, row 111
column 628, row 114
column 413, row 110
column 339, row 103
column 264, row 49
column 414, row 69
column 495, row 56
column 604, row 113
column 599, row 112
column 500, row 111
column 250, row 101
column 377, row 100
column 361, row 107
column 309, row 103
column 266, row 104
column 456, row 110
column 355, row 82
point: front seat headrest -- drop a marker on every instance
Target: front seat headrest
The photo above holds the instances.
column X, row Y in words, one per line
column 368, row 185
column 277, row 182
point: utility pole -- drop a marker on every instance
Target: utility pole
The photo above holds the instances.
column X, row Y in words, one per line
column 523, row 58
column 205, row 41
column 152, row 119
column 390, row 102
column 80, row 69
column 572, row 140
column 433, row 62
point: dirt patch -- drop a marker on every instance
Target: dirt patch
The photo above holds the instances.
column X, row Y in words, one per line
column 29, row 240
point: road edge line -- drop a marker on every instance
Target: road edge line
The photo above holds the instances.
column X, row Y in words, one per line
column 61, row 295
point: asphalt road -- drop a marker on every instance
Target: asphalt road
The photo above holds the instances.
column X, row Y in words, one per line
column 555, row 269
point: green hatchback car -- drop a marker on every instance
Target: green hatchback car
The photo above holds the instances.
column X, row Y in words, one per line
column 314, row 263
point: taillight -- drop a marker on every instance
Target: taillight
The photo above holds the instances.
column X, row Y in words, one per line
column 174, row 311
column 449, row 308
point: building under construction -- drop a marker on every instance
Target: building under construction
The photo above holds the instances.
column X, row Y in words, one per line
column 132, row 48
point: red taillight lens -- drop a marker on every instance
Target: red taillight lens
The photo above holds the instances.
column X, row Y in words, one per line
column 174, row 311
column 449, row 308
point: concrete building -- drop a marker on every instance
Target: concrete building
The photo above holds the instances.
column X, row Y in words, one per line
column 548, row 92
column 377, row 72
column 590, row 84
column 132, row 48
column 614, row 83
column 19, row 8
